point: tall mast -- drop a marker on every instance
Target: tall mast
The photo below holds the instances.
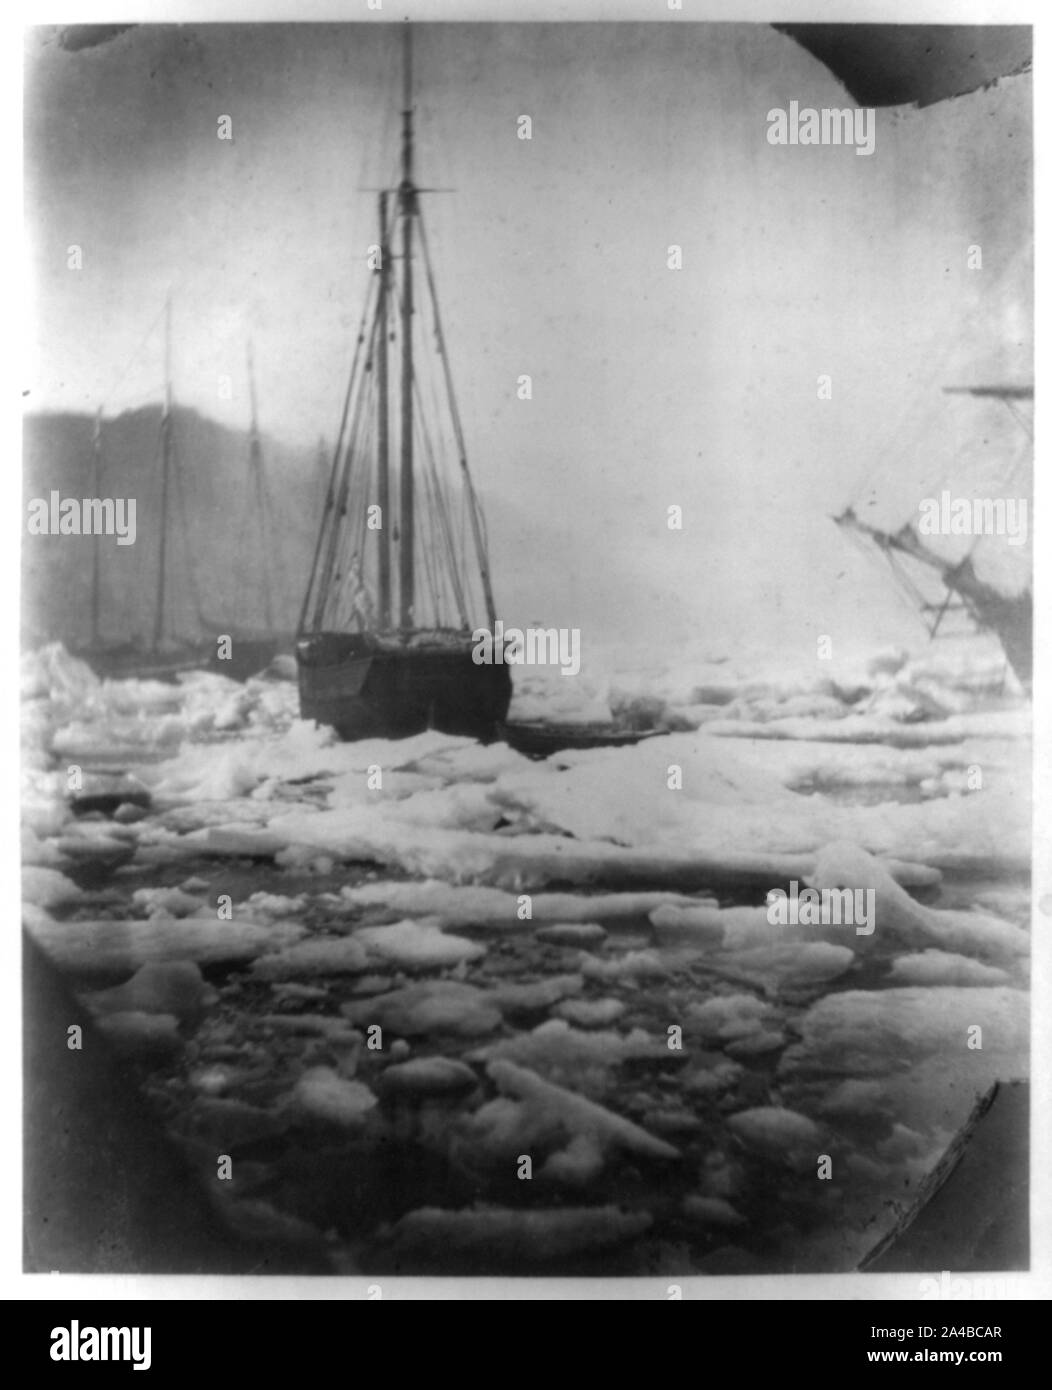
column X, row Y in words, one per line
column 96, row 468
column 407, row 207
column 383, row 438
column 166, row 453
column 255, row 464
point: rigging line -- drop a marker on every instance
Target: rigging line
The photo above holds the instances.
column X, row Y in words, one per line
column 371, row 571
column 356, row 482
column 880, row 556
column 455, row 577
column 943, row 610
column 345, row 540
column 332, row 572
column 439, row 505
column 477, row 519
column 430, row 552
column 349, row 550
column 180, row 502
column 330, row 518
column 368, row 452
column 909, row 585
column 1007, row 477
column 447, row 476
column 355, row 584
column 338, row 501
column 427, row 546
column 433, row 552
column 920, row 600
column 429, row 559
column 1022, row 457
column 436, row 343
column 328, row 514
column 1020, row 419
column 864, row 477
column 917, row 405
column 1002, row 487
column 462, row 519
column 864, row 486
column 436, row 502
column 908, row 595
column 441, row 511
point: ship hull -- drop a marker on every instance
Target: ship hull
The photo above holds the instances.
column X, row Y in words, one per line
column 130, row 662
column 537, row 740
column 250, row 653
column 365, row 687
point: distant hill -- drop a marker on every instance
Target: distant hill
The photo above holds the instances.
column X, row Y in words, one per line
column 536, row 555
column 215, row 550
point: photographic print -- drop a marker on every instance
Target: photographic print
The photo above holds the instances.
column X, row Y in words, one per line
column 527, row 649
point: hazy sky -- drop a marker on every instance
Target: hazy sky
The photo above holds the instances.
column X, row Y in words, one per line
column 650, row 386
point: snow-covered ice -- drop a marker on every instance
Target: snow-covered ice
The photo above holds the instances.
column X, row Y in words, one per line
column 479, row 956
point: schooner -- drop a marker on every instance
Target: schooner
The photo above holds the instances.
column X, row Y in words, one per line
column 400, row 576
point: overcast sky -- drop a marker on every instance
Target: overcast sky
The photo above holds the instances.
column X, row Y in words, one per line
column 650, row 386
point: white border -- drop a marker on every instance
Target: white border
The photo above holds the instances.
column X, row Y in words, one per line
column 13, row 1283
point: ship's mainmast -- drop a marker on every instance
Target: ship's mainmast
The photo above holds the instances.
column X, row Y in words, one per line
column 407, row 206
column 383, row 445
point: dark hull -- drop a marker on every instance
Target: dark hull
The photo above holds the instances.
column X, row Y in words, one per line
column 369, row 688
column 537, row 740
column 251, row 654
column 1012, row 619
column 129, row 662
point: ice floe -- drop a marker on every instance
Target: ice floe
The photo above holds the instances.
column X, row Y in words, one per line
column 114, row 947
column 589, row 1013
column 436, row 1006
column 317, row 957
column 576, row 908
column 730, row 1016
column 778, row 1133
column 550, row 1110
column 322, row 1094
column 921, row 1043
column 572, row 934
column 531, row 996
column 416, row 945
column 566, row 1054
column 170, row 987
column 48, row 887
column 711, row 1211
column 909, row 922
column 428, row 1076
column 944, row 968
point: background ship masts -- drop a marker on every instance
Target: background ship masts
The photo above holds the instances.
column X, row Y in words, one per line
column 96, row 550
column 258, row 480
column 166, row 453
